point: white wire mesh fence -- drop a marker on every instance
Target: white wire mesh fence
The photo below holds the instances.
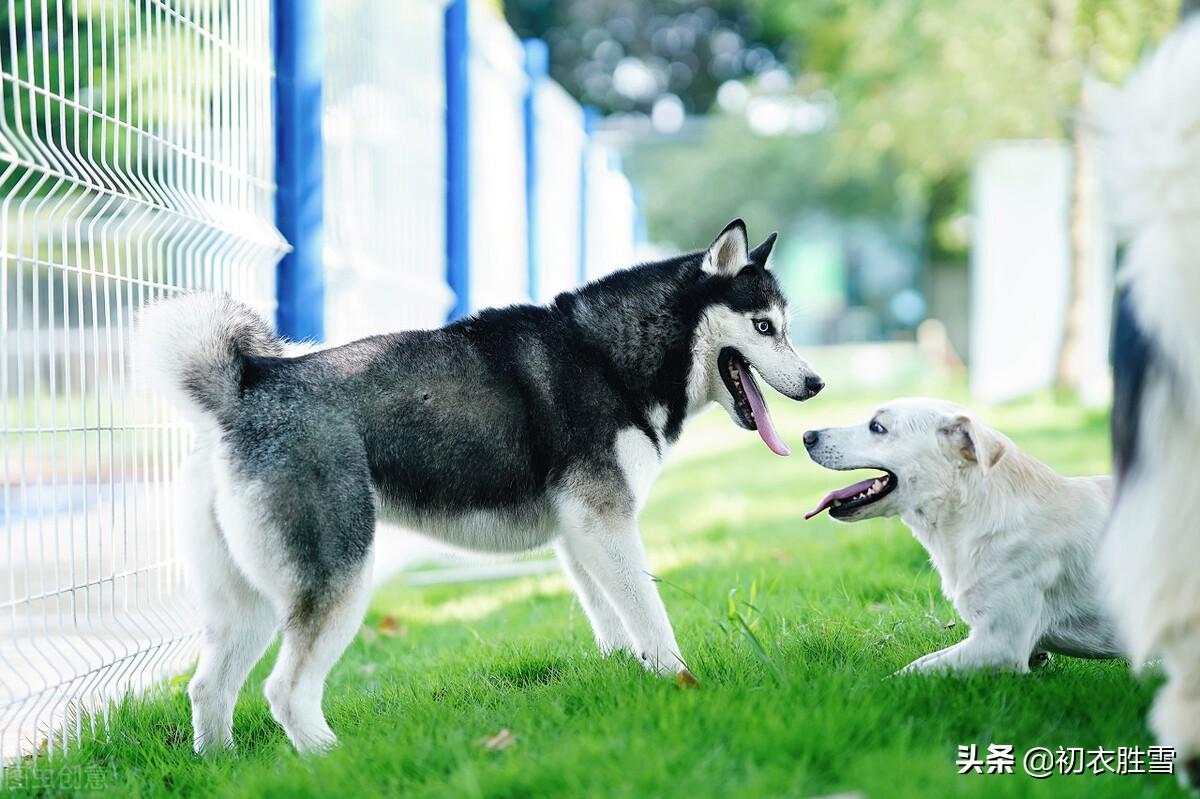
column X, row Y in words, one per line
column 385, row 167
column 137, row 151
column 136, row 158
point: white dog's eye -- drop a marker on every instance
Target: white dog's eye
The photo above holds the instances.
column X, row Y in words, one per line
column 764, row 326
column 876, row 428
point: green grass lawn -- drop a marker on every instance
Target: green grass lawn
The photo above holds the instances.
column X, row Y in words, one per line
column 792, row 628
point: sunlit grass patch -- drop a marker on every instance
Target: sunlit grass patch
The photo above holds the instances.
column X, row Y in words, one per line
column 792, row 628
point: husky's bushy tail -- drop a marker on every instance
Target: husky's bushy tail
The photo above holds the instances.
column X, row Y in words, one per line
column 1150, row 558
column 193, row 349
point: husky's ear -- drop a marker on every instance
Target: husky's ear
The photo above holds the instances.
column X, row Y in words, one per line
column 729, row 251
column 761, row 255
column 973, row 442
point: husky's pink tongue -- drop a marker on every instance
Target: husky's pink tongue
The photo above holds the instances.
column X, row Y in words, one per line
column 841, row 493
column 762, row 417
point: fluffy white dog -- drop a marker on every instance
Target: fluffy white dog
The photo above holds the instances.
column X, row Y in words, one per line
column 1014, row 542
column 1151, row 157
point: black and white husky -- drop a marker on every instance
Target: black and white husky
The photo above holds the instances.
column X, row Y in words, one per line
column 1152, row 548
column 513, row 429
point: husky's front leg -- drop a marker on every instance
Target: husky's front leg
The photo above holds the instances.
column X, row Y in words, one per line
column 610, row 632
column 608, row 547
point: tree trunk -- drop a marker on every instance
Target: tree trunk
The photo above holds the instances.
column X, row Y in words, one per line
column 1083, row 212
column 1059, row 48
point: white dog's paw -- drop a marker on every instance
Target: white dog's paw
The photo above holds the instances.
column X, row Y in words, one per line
column 926, row 663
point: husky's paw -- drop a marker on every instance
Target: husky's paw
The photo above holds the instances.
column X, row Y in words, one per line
column 316, row 742
column 206, row 746
column 669, row 668
column 1039, row 659
column 615, row 647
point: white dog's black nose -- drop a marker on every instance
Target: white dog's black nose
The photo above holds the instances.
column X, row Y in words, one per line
column 810, row 438
column 813, row 385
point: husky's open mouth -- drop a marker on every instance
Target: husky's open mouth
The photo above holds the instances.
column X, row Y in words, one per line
column 748, row 399
column 846, row 500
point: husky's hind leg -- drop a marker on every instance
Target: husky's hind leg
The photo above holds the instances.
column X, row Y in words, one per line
column 238, row 622
column 302, row 531
column 315, row 634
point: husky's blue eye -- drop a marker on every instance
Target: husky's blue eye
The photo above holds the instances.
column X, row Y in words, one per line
column 876, row 428
column 764, row 326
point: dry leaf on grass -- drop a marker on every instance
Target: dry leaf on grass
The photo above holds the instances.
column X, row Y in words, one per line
column 392, row 628
column 501, row 740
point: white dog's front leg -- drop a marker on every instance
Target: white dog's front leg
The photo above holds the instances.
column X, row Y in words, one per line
column 927, row 662
column 976, row 652
column 1002, row 638
column 990, row 645
column 610, row 552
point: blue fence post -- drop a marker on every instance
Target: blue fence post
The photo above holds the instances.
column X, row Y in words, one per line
column 458, row 145
column 537, row 64
column 299, row 168
column 590, row 115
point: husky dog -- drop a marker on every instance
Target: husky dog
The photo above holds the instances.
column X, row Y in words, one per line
column 1013, row 541
column 514, row 429
column 1151, row 149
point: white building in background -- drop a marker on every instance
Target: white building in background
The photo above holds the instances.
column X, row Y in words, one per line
column 1020, row 275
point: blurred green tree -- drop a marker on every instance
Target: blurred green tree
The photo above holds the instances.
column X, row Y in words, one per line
column 623, row 55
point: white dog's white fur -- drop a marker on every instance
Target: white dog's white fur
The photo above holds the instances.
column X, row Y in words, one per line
column 1013, row 541
column 1150, row 557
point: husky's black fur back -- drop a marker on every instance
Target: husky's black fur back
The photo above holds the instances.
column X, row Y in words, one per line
column 487, row 412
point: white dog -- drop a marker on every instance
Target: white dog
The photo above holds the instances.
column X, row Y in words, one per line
column 1152, row 159
column 1014, row 542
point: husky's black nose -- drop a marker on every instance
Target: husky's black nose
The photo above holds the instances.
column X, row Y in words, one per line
column 813, row 385
column 810, row 438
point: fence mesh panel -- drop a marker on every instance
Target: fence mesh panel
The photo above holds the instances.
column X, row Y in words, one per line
column 136, row 161
column 385, row 167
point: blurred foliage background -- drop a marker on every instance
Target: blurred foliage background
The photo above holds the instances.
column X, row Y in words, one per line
column 854, row 108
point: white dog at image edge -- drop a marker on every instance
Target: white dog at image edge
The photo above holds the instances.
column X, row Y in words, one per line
column 1150, row 153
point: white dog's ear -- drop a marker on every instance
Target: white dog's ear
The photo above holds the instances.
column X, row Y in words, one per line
column 729, row 251
column 974, row 442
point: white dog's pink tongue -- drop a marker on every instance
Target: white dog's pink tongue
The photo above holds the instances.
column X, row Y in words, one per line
column 762, row 417
column 841, row 493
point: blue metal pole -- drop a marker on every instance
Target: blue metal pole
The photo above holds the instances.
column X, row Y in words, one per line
column 299, row 168
column 537, row 64
column 590, row 115
column 458, row 143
